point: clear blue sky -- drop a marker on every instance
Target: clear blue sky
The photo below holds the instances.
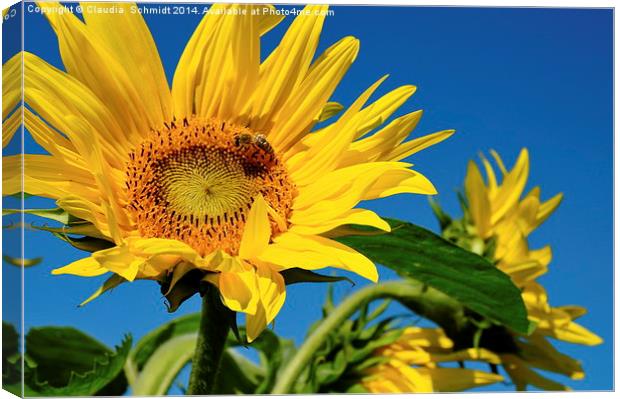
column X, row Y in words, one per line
column 503, row 78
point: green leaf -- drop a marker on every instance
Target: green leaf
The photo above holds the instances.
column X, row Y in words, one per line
column 164, row 365
column 112, row 282
column 370, row 362
column 417, row 253
column 11, row 360
column 241, row 375
column 297, row 275
column 146, row 347
column 70, row 225
column 238, row 376
column 357, row 388
column 105, row 371
column 88, row 244
column 60, row 351
column 148, row 359
column 531, row 327
column 57, row 214
column 79, row 229
column 67, row 362
column 328, row 372
column 274, row 352
column 10, row 340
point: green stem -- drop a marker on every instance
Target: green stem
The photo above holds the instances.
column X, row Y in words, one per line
column 396, row 290
column 214, row 326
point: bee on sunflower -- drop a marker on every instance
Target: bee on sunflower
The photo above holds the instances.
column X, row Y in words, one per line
column 221, row 178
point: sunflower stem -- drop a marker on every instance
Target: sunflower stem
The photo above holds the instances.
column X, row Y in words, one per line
column 300, row 362
column 214, row 326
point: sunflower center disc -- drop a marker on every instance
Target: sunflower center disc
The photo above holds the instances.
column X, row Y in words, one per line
column 196, row 180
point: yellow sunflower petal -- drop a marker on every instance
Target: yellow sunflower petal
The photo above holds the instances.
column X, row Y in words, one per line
column 379, row 111
column 522, row 375
column 188, row 71
column 329, row 110
column 111, row 187
column 333, row 195
column 44, row 177
column 523, row 272
column 542, row 255
column 362, row 217
column 539, row 353
column 268, row 19
column 257, row 230
column 87, row 58
column 408, row 379
column 62, row 101
column 374, row 114
column 325, row 154
column 527, row 210
column 490, row 176
column 286, row 66
column 547, row 208
column 149, row 247
column 416, row 145
column 119, row 260
column 553, row 321
column 573, row 311
column 512, row 187
column 297, row 115
column 559, row 326
column 139, row 56
column 272, row 294
column 457, row 379
column 535, row 296
column 46, row 167
column 238, row 288
column 479, row 205
column 229, row 67
column 86, row 267
column 499, row 162
column 10, row 126
column 317, row 252
column 400, row 180
column 11, row 84
column 379, row 146
column 86, row 210
column 52, row 141
column 342, row 183
column 397, row 377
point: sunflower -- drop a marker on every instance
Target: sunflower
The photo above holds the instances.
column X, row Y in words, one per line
column 412, row 365
column 224, row 173
column 501, row 219
column 11, row 97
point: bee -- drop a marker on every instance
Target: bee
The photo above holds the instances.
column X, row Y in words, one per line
column 258, row 140
column 261, row 142
column 242, row 139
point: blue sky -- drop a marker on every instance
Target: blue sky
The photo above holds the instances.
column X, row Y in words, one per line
column 504, row 78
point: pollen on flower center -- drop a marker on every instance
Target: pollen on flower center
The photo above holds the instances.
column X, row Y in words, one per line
column 195, row 181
